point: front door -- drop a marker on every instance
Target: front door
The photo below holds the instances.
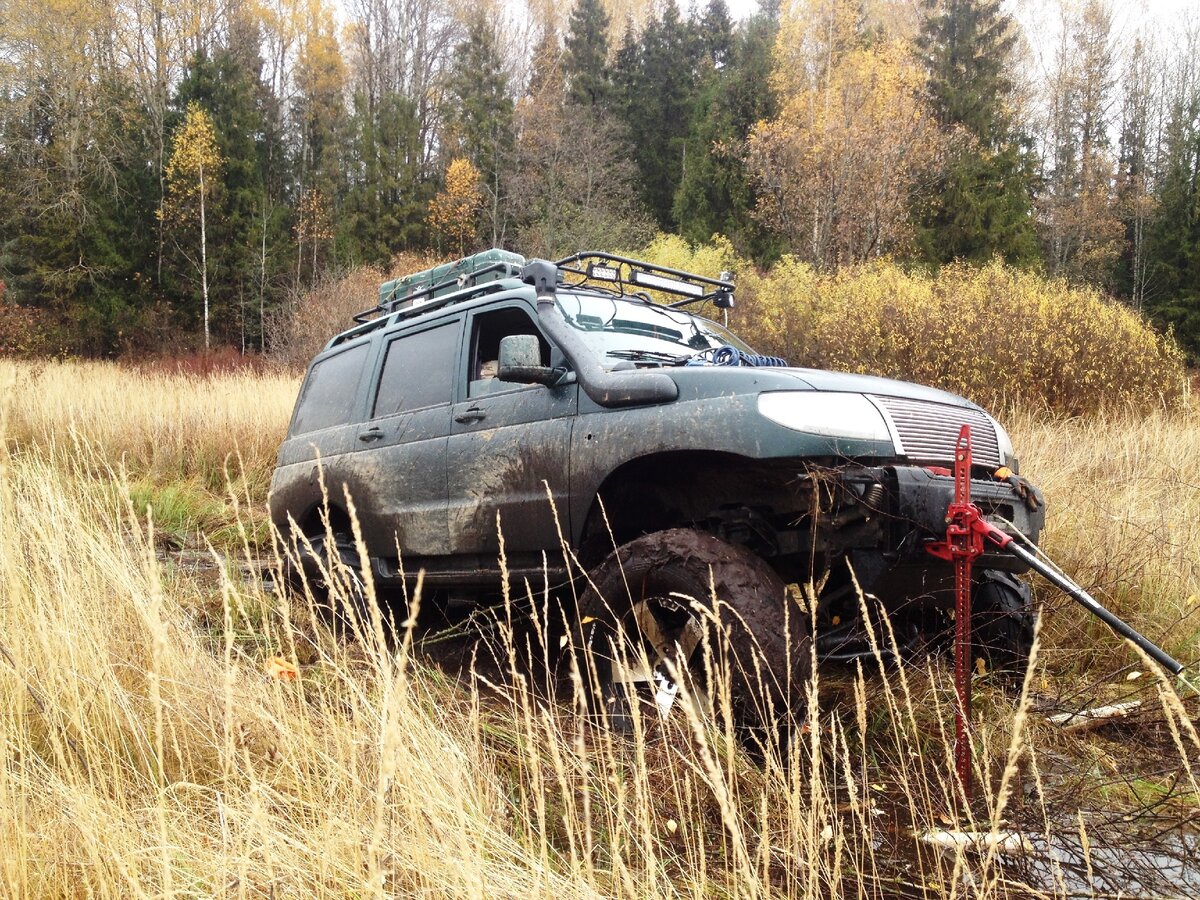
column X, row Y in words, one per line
column 509, row 447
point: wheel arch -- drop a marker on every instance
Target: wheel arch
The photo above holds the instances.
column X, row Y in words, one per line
column 658, row 491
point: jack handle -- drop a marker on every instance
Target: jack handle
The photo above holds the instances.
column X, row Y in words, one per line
column 1004, row 542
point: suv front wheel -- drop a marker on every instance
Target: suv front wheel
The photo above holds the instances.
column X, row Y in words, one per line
column 681, row 613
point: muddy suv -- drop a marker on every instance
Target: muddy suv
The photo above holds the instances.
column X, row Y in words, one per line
column 645, row 464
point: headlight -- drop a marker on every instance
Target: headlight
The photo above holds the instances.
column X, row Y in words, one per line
column 822, row 412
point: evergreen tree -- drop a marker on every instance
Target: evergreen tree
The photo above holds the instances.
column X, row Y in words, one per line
column 482, row 116
column 319, row 116
column 84, row 260
column 983, row 207
column 714, row 34
column 715, row 193
column 1173, row 295
column 585, row 63
column 657, row 93
column 227, row 86
column 387, row 196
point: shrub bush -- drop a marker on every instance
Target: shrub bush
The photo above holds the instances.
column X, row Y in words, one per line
column 304, row 325
column 22, row 330
column 1000, row 336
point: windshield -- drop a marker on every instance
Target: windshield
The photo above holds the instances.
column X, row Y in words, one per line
column 618, row 328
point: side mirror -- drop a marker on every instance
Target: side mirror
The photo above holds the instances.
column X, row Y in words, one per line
column 521, row 361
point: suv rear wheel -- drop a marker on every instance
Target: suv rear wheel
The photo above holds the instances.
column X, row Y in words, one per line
column 683, row 609
column 333, row 575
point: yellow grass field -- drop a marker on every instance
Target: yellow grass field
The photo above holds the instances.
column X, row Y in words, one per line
column 148, row 751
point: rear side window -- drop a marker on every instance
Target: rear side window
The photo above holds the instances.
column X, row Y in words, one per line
column 329, row 394
column 418, row 370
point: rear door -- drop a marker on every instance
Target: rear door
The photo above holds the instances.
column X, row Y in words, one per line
column 399, row 467
column 322, row 434
column 508, row 442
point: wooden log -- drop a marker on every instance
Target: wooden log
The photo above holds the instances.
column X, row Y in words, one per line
column 1087, row 719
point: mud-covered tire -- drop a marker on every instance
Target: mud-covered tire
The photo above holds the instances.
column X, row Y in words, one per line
column 333, row 579
column 1002, row 622
column 675, row 575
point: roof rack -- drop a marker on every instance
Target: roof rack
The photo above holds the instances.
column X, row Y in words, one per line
column 495, row 270
column 620, row 271
column 369, row 322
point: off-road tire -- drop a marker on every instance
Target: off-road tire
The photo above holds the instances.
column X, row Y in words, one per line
column 1002, row 622
column 767, row 677
column 344, row 567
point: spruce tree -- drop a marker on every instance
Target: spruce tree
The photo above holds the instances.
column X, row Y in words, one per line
column 983, row 207
column 1173, row 297
column 715, row 193
column 226, row 85
column 482, row 116
column 657, row 91
column 386, row 200
column 585, row 62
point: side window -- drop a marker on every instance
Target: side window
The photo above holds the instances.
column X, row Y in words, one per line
column 487, row 331
column 330, row 392
column 418, row 370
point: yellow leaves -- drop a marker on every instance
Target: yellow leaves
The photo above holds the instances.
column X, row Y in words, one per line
column 194, row 168
column 281, row 669
column 314, row 220
column 709, row 260
column 837, row 168
column 321, row 71
column 194, row 157
column 453, row 213
column 997, row 335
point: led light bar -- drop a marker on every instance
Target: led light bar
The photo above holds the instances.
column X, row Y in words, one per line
column 645, row 279
column 604, row 273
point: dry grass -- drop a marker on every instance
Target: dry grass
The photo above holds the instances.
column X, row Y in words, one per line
column 1124, row 504
column 147, row 754
column 157, row 424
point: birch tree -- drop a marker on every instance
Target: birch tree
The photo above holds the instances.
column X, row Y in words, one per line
column 854, row 139
column 193, row 176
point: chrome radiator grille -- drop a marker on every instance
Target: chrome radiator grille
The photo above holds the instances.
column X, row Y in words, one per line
column 929, row 431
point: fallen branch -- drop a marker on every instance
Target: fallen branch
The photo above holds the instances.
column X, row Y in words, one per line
column 1087, row 719
column 1003, row 842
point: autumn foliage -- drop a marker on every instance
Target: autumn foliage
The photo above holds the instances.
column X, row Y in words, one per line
column 454, row 212
column 995, row 334
column 853, row 141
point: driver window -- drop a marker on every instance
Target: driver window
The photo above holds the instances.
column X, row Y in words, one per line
column 487, row 331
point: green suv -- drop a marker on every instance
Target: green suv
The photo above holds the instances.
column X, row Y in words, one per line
column 646, row 463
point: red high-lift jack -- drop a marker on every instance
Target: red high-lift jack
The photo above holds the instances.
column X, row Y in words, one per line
column 968, row 535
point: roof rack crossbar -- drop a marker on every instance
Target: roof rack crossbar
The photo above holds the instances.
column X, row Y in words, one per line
column 622, row 271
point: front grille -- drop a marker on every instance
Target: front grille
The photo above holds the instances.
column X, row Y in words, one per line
column 929, row 431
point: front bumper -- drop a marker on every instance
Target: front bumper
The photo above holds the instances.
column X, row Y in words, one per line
column 920, row 498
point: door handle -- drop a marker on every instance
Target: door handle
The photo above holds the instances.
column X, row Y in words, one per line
column 371, row 434
column 474, row 414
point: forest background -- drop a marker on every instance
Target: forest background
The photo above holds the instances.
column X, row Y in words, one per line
column 174, row 176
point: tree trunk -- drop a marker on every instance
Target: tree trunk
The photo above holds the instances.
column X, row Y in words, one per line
column 262, row 285
column 204, row 259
